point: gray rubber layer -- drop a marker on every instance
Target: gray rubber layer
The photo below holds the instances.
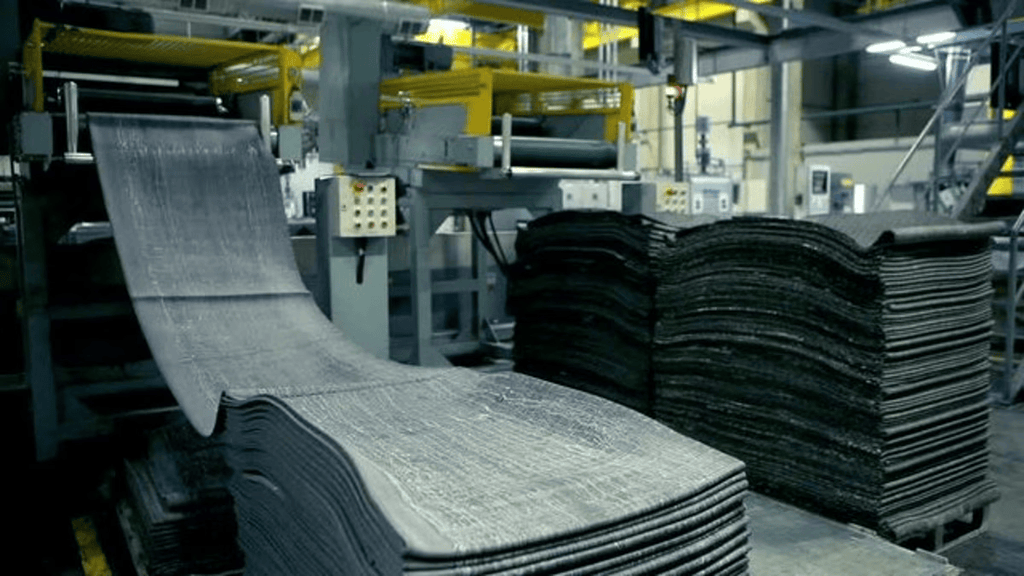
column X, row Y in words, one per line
column 349, row 464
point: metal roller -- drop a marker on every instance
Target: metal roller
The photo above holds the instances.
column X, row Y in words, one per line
column 521, row 126
column 558, row 152
column 139, row 102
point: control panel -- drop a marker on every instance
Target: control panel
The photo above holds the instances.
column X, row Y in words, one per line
column 673, row 197
column 711, row 195
column 362, row 207
column 819, row 182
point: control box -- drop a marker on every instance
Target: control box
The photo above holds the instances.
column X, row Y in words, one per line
column 819, row 183
column 361, row 206
column 586, row 194
column 711, row 195
column 673, row 197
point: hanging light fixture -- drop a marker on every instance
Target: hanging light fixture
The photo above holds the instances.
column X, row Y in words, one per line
column 888, row 46
column 915, row 61
column 936, row 38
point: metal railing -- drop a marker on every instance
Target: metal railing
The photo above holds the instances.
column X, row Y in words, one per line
column 999, row 29
column 1013, row 377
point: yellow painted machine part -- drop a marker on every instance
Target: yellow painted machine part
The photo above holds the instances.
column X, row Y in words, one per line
column 225, row 58
column 692, row 10
column 485, row 92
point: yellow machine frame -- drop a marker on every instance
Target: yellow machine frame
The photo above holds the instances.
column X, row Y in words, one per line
column 235, row 67
column 486, row 92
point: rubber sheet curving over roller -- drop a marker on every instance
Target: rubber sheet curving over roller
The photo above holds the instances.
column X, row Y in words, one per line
column 346, row 464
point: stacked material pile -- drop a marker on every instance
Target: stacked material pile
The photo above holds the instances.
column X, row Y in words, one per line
column 583, row 298
column 180, row 507
column 346, row 464
column 846, row 361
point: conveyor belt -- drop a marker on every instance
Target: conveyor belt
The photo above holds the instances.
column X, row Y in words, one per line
column 345, row 463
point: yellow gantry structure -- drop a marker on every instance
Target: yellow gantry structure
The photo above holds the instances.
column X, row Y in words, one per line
column 234, row 67
column 486, row 92
column 594, row 33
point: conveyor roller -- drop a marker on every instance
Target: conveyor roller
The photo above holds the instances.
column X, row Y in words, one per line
column 558, row 152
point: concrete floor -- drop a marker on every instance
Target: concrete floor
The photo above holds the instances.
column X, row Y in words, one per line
column 1000, row 551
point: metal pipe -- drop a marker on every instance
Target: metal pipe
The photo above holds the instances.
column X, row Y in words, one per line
column 679, row 104
column 620, row 148
column 779, row 139
column 1010, row 326
column 265, row 120
column 506, row 143
column 556, row 152
column 571, row 173
column 71, row 115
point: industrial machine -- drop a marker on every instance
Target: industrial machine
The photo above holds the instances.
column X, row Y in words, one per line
column 83, row 353
column 410, row 142
column 467, row 142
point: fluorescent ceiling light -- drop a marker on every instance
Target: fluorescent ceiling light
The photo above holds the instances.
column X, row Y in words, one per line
column 936, row 37
column 910, row 49
column 890, row 46
column 446, row 25
column 914, row 61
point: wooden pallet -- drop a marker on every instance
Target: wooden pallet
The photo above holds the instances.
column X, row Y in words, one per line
column 951, row 533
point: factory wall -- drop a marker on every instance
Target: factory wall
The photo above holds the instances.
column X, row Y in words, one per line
column 739, row 106
column 867, row 146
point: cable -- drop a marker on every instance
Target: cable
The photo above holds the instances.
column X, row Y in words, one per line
column 476, row 221
column 361, row 263
column 497, row 239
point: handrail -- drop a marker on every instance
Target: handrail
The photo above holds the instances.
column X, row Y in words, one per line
column 944, row 103
column 1013, row 297
column 998, row 84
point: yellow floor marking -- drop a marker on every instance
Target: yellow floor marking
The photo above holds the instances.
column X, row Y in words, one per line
column 94, row 563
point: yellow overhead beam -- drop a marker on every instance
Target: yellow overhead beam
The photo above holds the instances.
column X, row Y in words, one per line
column 484, row 11
column 691, row 10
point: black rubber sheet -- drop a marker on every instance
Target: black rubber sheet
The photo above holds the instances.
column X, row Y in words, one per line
column 844, row 358
column 346, row 464
column 179, row 506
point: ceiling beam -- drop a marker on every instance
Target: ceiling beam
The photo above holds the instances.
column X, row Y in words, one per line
column 584, row 10
column 808, row 44
column 811, row 18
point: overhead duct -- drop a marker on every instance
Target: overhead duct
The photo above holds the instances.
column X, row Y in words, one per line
column 397, row 17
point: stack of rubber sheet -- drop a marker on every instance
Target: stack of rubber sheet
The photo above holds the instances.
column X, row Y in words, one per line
column 844, row 360
column 180, row 506
column 583, row 297
column 346, row 464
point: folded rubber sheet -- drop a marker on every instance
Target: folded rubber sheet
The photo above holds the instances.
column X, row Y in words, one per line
column 346, row 464
column 844, row 359
column 179, row 504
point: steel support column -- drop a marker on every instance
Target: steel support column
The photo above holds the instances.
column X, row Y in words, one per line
column 778, row 168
